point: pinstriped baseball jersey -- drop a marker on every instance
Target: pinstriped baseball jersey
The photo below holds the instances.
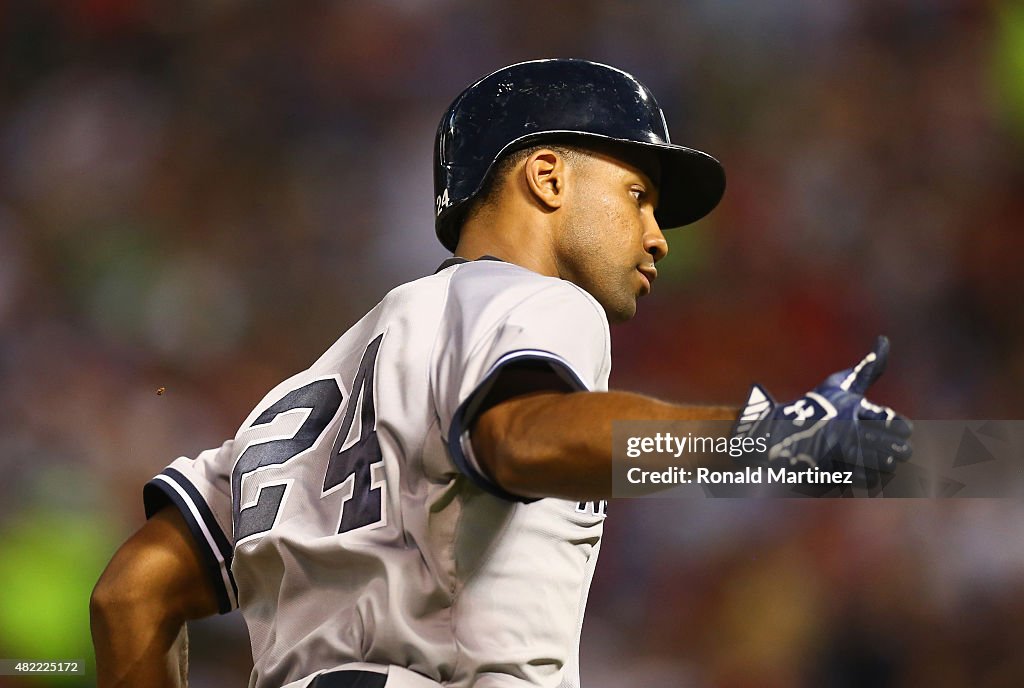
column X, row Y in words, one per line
column 350, row 522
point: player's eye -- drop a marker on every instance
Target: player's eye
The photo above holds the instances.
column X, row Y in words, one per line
column 638, row 194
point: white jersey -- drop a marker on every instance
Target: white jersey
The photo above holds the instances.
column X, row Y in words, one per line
column 349, row 521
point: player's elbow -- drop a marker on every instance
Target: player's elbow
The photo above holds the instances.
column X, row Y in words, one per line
column 121, row 589
column 110, row 612
column 108, row 594
column 101, row 602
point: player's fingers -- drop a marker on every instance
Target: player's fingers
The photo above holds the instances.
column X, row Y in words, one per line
column 881, row 448
column 870, row 368
column 891, row 421
column 900, row 448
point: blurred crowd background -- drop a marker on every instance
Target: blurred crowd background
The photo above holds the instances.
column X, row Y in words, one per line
column 201, row 196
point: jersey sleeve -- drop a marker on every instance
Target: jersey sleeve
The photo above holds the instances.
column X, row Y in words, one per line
column 552, row 338
column 200, row 489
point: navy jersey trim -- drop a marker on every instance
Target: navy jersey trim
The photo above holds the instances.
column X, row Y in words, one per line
column 171, row 486
column 349, row 678
column 470, row 408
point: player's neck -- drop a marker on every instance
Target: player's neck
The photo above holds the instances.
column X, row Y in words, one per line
column 526, row 249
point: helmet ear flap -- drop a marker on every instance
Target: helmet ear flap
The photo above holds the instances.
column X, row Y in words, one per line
column 448, row 229
column 452, row 211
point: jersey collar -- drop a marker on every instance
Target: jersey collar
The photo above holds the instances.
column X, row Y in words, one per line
column 458, row 260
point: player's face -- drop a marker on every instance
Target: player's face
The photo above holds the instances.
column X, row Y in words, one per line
column 610, row 240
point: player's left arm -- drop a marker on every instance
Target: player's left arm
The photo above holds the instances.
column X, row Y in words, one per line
column 560, row 445
column 155, row 583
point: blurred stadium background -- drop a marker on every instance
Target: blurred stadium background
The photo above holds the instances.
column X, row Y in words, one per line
column 203, row 196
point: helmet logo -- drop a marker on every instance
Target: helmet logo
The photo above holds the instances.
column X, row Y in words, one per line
column 443, row 201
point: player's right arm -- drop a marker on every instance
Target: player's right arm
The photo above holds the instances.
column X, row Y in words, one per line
column 154, row 583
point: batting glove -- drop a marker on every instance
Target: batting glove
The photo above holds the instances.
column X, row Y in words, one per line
column 832, row 427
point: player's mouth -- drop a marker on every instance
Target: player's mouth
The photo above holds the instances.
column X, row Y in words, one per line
column 648, row 273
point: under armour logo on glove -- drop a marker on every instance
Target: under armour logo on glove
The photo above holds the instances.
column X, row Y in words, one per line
column 802, row 410
column 833, row 426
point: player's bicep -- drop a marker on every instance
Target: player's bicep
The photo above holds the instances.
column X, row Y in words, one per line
column 515, row 377
column 158, row 572
column 500, row 435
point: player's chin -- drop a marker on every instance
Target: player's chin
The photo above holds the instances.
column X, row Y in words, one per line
column 622, row 310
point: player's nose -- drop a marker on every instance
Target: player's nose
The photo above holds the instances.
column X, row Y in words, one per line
column 654, row 240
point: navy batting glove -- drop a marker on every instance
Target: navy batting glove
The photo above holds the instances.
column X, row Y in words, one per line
column 832, row 427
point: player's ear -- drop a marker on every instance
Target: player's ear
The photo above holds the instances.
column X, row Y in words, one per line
column 544, row 173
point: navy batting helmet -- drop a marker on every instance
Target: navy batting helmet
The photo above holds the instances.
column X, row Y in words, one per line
column 532, row 102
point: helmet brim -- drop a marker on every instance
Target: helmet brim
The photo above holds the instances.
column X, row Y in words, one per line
column 692, row 184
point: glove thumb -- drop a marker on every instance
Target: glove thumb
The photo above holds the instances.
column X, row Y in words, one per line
column 758, row 406
column 871, row 367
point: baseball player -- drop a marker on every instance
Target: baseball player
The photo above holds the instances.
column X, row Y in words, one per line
column 422, row 506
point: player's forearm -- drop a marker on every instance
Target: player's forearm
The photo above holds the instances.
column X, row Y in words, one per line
column 560, row 445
